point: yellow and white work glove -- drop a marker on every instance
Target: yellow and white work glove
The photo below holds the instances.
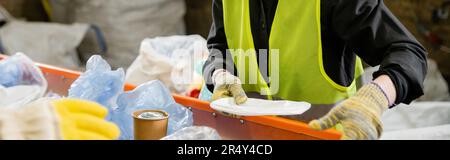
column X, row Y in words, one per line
column 227, row 85
column 64, row 119
column 358, row 115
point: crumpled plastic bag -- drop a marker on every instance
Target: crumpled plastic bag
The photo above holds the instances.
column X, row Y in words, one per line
column 154, row 96
column 260, row 107
column 21, row 81
column 194, row 133
column 104, row 86
column 173, row 60
column 18, row 96
column 99, row 83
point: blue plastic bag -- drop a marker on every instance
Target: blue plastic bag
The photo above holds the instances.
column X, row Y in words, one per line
column 152, row 95
column 99, row 84
column 102, row 85
column 20, row 70
column 21, row 81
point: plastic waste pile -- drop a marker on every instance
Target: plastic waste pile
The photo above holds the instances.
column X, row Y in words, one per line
column 21, row 81
column 105, row 86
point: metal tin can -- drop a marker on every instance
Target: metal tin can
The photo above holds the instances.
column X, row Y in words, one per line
column 150, row 124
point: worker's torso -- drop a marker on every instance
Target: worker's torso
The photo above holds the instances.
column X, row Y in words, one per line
column 296, row 68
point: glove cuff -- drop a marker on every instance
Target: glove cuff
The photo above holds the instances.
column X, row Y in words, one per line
column 222, row 77
column 375, row 96
column 215, row 74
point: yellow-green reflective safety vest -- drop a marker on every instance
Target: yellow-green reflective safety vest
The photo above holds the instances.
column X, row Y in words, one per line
column 295, row 55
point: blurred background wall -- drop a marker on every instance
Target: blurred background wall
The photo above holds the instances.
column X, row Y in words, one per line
column 198, row 17
column 413, row 14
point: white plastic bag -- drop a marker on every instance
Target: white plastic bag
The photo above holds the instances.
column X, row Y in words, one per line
column 21, row 81
column 172, row 60
column 17, row 96
column 259, row 107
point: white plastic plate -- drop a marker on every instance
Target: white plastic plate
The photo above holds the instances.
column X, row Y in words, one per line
column 259, row 107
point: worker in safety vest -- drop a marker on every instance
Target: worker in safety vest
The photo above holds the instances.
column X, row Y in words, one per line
column 311, row 50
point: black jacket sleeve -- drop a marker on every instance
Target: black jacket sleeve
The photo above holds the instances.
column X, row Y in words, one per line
column 217, row 45
column 378, row 38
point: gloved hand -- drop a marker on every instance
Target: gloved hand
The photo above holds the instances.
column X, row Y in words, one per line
column 67, row 119
column 228, row 85
column 358, row 115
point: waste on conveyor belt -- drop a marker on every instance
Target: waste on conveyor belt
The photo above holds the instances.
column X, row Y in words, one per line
column 105, row 86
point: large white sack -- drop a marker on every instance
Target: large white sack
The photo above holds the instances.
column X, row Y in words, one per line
column 48, row 43
column 420, row 120
column 427, row 133
column 125, row 23
column 417, row 115
column 173, row 60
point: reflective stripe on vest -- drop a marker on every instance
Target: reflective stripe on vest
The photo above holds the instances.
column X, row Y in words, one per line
column 295, row 64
